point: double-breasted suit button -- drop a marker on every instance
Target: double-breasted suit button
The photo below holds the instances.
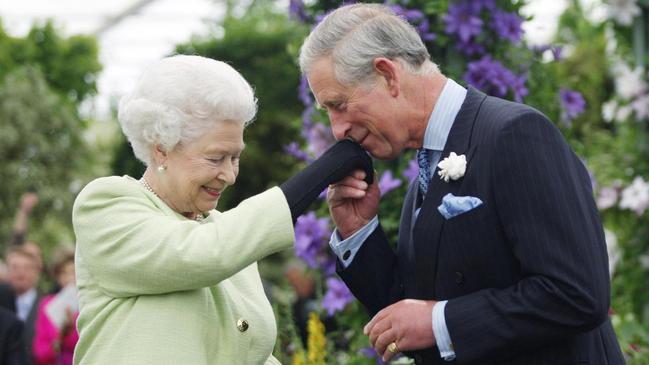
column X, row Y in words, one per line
column 242, row 325
column 459, row 277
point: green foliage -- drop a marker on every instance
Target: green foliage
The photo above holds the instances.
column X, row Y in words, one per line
column 43, row 78
column 69, row 65
column 41, row 145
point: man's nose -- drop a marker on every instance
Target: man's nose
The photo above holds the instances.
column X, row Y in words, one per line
column 339, row 127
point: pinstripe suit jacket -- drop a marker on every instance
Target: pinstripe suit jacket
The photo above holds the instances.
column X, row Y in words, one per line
column 525, row 274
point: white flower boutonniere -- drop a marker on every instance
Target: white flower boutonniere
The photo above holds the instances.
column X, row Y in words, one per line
column 452, row 167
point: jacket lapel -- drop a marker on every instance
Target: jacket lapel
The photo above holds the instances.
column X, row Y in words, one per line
column 405, row 249
column 429, row 224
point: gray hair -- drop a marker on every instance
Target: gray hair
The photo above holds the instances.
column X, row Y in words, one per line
column 355, row 35
column 179, row 98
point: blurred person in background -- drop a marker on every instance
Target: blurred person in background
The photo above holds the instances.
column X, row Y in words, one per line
column 24, row 274
column 7, row 297
column 163, row 277
column 34, row 249
column 12, row 349
column 55, row 338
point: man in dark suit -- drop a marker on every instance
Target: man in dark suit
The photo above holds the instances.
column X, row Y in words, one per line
column 501, row 256
column 12, row 350
column 23, row 275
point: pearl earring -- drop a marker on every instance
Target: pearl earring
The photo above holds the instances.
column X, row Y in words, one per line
column 162, row 168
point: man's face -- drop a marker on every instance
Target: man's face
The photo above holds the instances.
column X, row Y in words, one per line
column 368, row 115
column 23, row 272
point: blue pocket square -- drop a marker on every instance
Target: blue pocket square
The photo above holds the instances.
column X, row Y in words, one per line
column 455, row 205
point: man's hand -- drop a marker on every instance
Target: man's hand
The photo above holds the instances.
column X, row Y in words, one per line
column 353, row 203
column 408, row 323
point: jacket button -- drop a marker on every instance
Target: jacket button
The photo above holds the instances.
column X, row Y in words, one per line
column 459, row 277
column 419, row 359
column 242, row 325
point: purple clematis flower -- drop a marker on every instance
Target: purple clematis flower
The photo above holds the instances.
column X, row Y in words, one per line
column 470, row 48
column 463, row 21
column 311, row 235
column 307, row 122
column 557, row 52
column 478, row 5
column 319, row 138
column 495, row 79
column 294, row 150
column 507, row 26
column 518, row 87
column 572, row 103
column 412, row 171
column 304, row 92
column 417, row 18
column 296, row 10
column 387, row 182
column 540, row 48
column 370, row 352
column 337, row 296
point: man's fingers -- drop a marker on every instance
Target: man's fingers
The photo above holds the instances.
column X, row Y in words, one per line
column 383, row 341
column 353, row 181
column 388, row 355
column 377, row 317
column 359, row 174
column 344, row 192
column 378, row 329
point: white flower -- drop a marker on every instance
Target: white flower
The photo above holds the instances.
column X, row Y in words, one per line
column 636, row 196
column 608, row 110
column 607, row 197
column 628, row 83
column 623, row 113
column 641, row 107
column 453, row 167
column 623, row 11
column 613, row 251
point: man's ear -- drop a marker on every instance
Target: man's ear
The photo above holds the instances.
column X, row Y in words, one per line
column 388, row 70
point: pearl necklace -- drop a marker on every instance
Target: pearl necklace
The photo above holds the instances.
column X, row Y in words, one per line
column 199, row 217
column 147, row 186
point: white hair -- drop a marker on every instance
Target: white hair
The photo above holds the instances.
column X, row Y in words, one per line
column 354, row 35
column 179, row 98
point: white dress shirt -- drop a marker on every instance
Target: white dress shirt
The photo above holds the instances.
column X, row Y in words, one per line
column 24, row 304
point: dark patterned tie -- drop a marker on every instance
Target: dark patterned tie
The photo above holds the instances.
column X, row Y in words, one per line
column 424, row 169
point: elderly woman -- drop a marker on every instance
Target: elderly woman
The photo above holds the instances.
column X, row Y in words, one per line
column 164, row 278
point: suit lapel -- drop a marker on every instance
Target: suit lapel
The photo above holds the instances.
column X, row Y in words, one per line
column 429, row 224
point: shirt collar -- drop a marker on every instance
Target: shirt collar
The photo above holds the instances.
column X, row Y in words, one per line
column 28, row 296
column 444, row 112
column 25, row 302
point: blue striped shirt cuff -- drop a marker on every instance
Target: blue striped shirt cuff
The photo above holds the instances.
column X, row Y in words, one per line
column 440, row 331
column 353, row 243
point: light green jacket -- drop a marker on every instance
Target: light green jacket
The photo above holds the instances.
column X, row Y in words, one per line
column 158, row 288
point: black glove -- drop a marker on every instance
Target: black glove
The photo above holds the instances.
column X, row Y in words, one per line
column 335, row 164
